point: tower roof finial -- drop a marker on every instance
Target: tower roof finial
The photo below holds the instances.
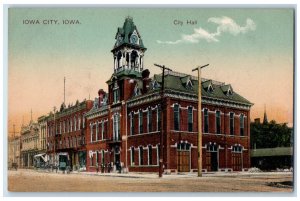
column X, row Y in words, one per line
column 265, row 116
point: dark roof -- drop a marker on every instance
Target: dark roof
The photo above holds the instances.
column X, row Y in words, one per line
column 177, row 82
column 126, row 32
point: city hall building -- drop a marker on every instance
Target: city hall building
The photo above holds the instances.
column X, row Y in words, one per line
column 124, row 124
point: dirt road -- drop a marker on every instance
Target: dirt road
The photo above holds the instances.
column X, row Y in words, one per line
column 33, row 181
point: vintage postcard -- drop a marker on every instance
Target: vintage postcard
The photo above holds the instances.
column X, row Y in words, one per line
column 150, row 99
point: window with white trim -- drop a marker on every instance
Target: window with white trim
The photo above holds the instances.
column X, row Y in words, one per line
column 149, row 120
column 158, row 118
column 176, row 117
column 141, row 154
column 231, row 123
column 132, row 123
column 190, row 118
column 218, row 122
column 205, row 120
column 140, row 121
column 242, row 122
column 149, row 155
column 132, row 155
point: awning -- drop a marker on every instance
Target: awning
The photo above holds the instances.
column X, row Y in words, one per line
column 42, row 156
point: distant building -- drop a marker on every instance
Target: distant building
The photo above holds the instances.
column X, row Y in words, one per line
column 42, row 142
column 14, row 151
column 29, row 144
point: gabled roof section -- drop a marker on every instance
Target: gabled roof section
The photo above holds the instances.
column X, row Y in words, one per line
column 173, row 80
column 227, row 89
column 186, row 81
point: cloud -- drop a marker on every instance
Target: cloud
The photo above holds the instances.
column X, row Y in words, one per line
column 225, row 25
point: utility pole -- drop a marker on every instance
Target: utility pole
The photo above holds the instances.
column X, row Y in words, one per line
column 199, row 120
column 162, row 103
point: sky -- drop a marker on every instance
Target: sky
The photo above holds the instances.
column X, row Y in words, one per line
column 251, row 49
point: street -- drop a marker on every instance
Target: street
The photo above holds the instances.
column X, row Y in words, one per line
column 40, row 181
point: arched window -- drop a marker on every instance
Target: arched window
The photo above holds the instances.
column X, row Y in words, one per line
column 190, row 118
column 132, row 155
column 176, row 117
column 218, row 122
column 231, row 123
column 242, row 122
column 149, row 155
column 140, row 121
column 212, row 147
column 141, row 154
column 205, row 120
column 183, row 146
column 149, row 120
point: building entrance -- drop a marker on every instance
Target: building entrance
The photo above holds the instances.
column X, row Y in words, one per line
column 212, row 157
column 183, row 157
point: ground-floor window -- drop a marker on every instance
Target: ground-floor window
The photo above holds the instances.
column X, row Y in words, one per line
column 141, row 160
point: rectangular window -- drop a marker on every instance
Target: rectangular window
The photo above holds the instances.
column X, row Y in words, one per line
column 149, row 119
column 141, row 155
column 242, row 125
column 231, row 124
column 102, row 157
column 149, row 155
column 218, row 122
column 102, row 130
column 116, row 95
column 158, row 118
column 91, row 128
column 176, row 117
column 116, row 126
column 140, row 121
column 190, row 119
column 205, row 120
column 132, row 155
column 92, row 160
column 131, row 123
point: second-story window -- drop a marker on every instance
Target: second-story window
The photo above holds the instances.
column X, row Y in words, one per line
column 131, row 123
column 116, row 93
column 141, row 121
column 149, row 120
column 231, row 123
column 158, row 118
column 205, row 120
column 242, row 122
column 91, row 128
column 79, row 122
column 176, row 117
column 218, row 122
column 190, row 119
column 75, row 123
column 116, row 126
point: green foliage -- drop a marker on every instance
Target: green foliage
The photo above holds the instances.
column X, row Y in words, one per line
column 270, row 135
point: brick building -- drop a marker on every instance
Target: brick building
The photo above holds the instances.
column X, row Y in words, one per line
column 124, row 125
column 66, row 135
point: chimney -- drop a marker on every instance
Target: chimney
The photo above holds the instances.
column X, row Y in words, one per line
column 146, row 80
column 101, row 94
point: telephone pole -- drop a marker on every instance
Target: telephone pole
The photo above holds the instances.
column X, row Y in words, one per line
column 199, row 120
column 162, row 105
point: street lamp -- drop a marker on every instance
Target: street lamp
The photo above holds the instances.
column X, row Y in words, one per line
column 199, row 120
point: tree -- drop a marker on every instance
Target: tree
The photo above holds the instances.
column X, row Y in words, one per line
column 270, row 135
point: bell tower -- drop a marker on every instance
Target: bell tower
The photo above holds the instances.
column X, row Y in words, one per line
column 128, row 51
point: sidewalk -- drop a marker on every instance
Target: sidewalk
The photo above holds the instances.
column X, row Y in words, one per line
column 180, row 175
